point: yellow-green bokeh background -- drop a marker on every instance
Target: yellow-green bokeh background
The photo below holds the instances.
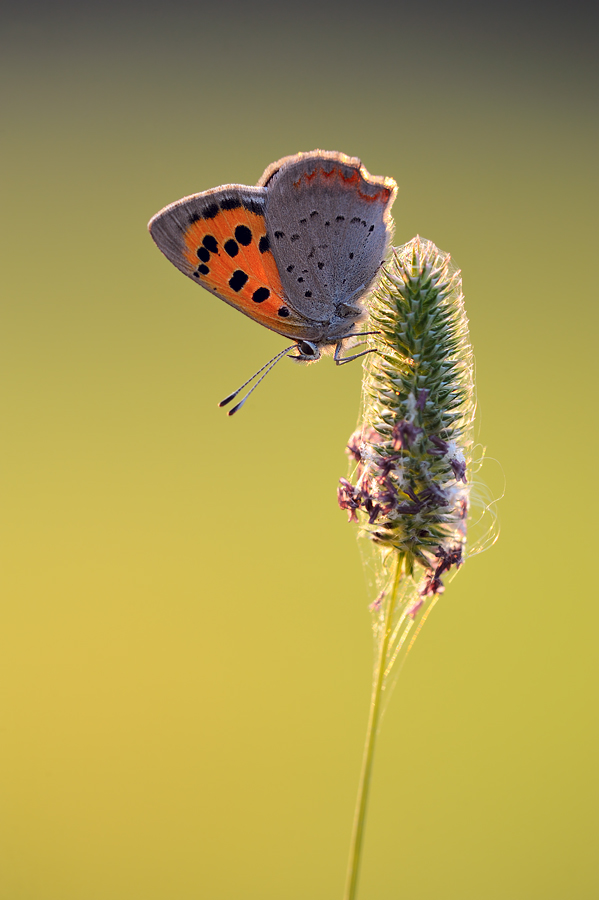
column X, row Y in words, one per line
column 185, row 644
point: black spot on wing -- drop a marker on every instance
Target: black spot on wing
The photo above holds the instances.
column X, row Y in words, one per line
column 237, row 280
column 243, row 235
column 210, row 243
column 230, row 203
column 231, row 247
column 264, row 244
column 260, row 295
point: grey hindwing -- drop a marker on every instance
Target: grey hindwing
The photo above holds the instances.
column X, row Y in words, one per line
column 329, row 231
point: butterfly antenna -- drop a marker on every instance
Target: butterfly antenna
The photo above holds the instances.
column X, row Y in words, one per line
column 267, row 366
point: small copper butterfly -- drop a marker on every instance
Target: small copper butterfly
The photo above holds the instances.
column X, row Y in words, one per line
column 297, row 253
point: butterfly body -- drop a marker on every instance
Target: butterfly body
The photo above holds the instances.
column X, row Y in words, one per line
column 296, row 253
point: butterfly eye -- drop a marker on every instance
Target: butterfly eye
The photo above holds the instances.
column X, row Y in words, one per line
column 308, row 349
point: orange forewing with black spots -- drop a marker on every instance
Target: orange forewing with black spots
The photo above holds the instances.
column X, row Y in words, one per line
column 219, row 240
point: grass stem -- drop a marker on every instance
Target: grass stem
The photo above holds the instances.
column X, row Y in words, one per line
column 371, row 732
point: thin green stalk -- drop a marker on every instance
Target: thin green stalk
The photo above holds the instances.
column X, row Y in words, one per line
column 371, row 732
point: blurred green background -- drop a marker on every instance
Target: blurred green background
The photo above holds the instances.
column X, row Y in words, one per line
column 184, row 639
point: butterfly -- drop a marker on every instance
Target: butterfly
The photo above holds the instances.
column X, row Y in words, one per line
column 298, row 253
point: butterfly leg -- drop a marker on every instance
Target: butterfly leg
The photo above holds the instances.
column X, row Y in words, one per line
column 341, row 360
column 363, row 333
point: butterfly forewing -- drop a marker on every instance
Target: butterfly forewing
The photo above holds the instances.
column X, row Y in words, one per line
column 219, row 240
